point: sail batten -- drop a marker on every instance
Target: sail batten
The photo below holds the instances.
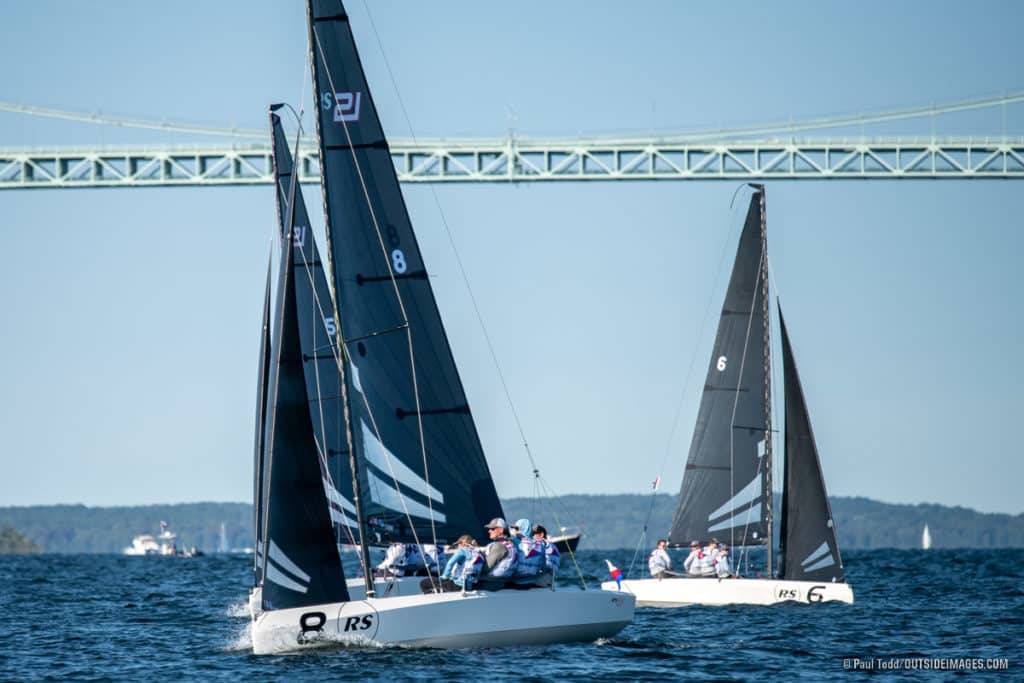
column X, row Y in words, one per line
column 725, row 462
column 808, row 546
column 382, row 289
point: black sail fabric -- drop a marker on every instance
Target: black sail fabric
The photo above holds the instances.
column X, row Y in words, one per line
column 808, row 543
column 318, row 332
column 723, row 489
column 386, row 304
column 261, row 418
column 301, row 565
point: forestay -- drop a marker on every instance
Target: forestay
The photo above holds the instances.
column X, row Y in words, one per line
column 406, row 401
column 259, row 494
column 723, row 492
column 808, row 543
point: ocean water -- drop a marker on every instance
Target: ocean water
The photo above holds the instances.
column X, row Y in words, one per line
column 108, row 617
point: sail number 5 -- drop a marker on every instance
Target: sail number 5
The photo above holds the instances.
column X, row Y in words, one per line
column 721, row 363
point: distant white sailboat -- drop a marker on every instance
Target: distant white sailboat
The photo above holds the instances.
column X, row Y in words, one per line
column 926, row 539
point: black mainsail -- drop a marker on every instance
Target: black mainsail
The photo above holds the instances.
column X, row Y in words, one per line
column 808, row 547
column 301, row 565
column 318, row 336
column 258, row 497
column 418, row 452
column 725, row 493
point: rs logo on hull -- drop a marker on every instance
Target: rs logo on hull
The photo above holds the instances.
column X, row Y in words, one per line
column 358, row 623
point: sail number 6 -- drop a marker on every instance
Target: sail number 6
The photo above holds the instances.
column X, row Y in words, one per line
column 721, row 363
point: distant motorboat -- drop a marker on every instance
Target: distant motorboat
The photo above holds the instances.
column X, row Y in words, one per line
column 926, row 539
column 165, row 543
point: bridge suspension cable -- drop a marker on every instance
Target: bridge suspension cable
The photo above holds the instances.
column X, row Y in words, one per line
column 777, row 128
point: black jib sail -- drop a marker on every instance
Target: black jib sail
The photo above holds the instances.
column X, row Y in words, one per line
column 318, row 334
column 418, row 452
column 723, row 492
column 261, row 420
column 301, row 565
column 808, row 543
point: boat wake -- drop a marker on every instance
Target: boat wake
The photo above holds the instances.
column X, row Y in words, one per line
column 238, row 610
column 241, row 641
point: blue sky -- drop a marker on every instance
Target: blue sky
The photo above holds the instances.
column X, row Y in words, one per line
column 131, row 319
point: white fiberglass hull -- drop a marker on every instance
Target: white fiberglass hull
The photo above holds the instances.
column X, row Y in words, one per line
column 678, row 592
column 448, row 620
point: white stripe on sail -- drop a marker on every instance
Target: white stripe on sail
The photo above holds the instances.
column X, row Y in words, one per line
column 380, row 456
column 827, row 561
column 355, row 377
column 276, row 576
column 750, row 516
column 277, row 555
column 335, row 497
column 383, row 494
column 339, row 517
column 823, row 548
column 749, row 494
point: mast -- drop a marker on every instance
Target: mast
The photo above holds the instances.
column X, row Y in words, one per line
column 343, row 368
column 767, row 380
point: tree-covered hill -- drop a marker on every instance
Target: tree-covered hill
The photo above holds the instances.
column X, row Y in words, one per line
column 608, row 521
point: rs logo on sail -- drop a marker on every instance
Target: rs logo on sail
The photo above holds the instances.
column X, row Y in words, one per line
column 345, row 104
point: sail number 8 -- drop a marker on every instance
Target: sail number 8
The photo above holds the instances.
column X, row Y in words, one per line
column 721, row 363
column 398, row 261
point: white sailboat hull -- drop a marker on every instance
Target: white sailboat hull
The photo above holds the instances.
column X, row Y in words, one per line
column 679, row 592
column 448, row 620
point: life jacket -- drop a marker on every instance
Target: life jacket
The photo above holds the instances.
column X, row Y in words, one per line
column 472, row 565
column 507, row 566
column 531, row 557
column 707, row 562
column 722, row 565
column 658, row 561
column 552, row 558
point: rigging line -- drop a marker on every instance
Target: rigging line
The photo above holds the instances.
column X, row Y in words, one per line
column 554, row 514
column 398, row 294
column 458, row 257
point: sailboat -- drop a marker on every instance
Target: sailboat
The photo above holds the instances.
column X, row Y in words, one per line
column 726, row 492
column 926, row 539
column 408, row 465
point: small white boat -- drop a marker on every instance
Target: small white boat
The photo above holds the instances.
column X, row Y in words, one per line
column 165, row 543
column 926, row 538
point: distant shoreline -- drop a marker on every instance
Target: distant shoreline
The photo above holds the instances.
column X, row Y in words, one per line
column 608, row 521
